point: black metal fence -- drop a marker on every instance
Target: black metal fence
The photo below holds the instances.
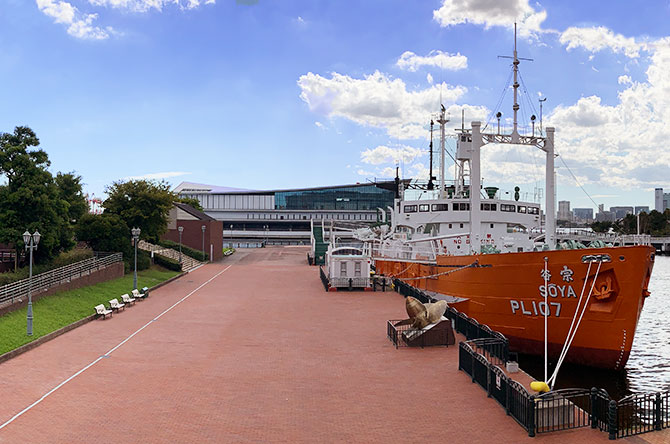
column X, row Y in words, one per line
column 637, row 414
column 467, row 326
column 516, row 400
column 324, row 278
column 486, row 350
column 406, row 336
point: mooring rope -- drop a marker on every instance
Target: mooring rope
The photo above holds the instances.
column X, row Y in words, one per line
column 572, row 332
column 474, row 264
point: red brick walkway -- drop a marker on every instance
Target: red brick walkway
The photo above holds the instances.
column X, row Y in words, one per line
column 260, row 354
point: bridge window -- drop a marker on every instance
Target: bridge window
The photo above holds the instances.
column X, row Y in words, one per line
column 424, row 207
column 489, row 207
column 440, row 207
column 461, row 206
column 410, row 208
column 508, row 208
column 533, row 210
column 522, row 209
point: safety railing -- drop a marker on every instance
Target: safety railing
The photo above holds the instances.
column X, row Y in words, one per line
column 348, row 282
column 486, row 350
column 16, row 291
column 324, row 278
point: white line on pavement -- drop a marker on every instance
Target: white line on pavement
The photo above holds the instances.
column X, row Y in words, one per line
column 110, row 351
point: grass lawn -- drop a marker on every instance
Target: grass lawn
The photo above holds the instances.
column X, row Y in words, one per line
column 65, row 307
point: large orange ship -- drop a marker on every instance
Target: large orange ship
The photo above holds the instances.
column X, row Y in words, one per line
column 496, row 259
column 507, row 292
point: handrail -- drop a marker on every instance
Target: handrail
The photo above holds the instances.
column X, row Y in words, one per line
column 43, row 281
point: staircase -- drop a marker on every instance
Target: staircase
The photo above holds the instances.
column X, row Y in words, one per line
column 320, row 247
column 187, row 262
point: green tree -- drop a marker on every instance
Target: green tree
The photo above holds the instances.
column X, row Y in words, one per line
column 628, row 225
column 70, row 190
column 141, row 203
column 658, row 223
column 601, row 227
column 30, row 200
column 195, row 203
column 104, row 232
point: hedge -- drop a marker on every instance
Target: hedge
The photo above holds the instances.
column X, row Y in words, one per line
column 188, row 251
column 167, row 262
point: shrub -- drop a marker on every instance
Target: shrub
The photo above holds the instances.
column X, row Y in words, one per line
column 167, row 262
column 143, row 261
column 188, row 251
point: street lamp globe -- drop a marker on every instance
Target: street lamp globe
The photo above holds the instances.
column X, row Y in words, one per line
column 36, row 237
column 26, row 238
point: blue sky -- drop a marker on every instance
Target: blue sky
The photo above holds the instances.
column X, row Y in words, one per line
column 283, row 94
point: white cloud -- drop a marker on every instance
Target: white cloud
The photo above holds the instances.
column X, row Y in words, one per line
column 319, row 124
column 79, row 25
column 491, row 13
column 624, row 144
column 362, row 172
column 443, row 60
column 429, row 78
column 157, row 176
column 595, row 39
column 384, row 154
column 624, row 80
column 380, row 101
column 146, row 5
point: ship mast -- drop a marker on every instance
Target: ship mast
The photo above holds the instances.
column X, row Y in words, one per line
column 442, row 121
column 515, row 107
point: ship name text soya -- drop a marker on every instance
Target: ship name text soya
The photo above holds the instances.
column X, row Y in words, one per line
column 564, row 290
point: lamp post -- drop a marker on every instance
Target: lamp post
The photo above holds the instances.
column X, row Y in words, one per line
column 181, row 230
column 136, row 235
column 231, row 235
column 203, row 243
column 31, row 241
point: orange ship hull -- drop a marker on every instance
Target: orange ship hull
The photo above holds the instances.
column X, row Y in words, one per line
column 506, row 292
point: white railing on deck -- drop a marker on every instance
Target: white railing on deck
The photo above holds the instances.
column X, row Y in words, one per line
column 16, row 291
column 403, row 251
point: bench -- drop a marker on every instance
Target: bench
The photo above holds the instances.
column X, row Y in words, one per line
column 100, row 310
column 114, row 304
column 127, row 299
column 137, row 294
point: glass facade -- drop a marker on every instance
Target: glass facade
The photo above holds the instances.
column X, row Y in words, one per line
column 366, row 197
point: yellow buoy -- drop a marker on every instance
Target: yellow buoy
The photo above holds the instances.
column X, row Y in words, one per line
column 539, row 386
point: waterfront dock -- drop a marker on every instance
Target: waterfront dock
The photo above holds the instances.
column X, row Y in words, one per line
column 252, row 349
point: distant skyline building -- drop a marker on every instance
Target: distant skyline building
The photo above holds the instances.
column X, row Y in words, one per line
column 564, row 210
column 643, row 209
column 583, row 214
column 661, row 200
column 621, row 212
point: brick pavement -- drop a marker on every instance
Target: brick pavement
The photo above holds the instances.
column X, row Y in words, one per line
column 261, row 354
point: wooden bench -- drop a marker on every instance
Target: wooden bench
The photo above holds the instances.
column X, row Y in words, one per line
column 114, row 304
column 102, row 311
column 127, row 299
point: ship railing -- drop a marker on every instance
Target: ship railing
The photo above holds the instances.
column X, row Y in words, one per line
column 380, row 250
column 634, row 239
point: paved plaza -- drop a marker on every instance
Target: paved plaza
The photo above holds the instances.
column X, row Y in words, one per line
column 254, row 351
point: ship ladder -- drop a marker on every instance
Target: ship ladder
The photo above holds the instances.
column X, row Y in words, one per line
column 572, row 331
